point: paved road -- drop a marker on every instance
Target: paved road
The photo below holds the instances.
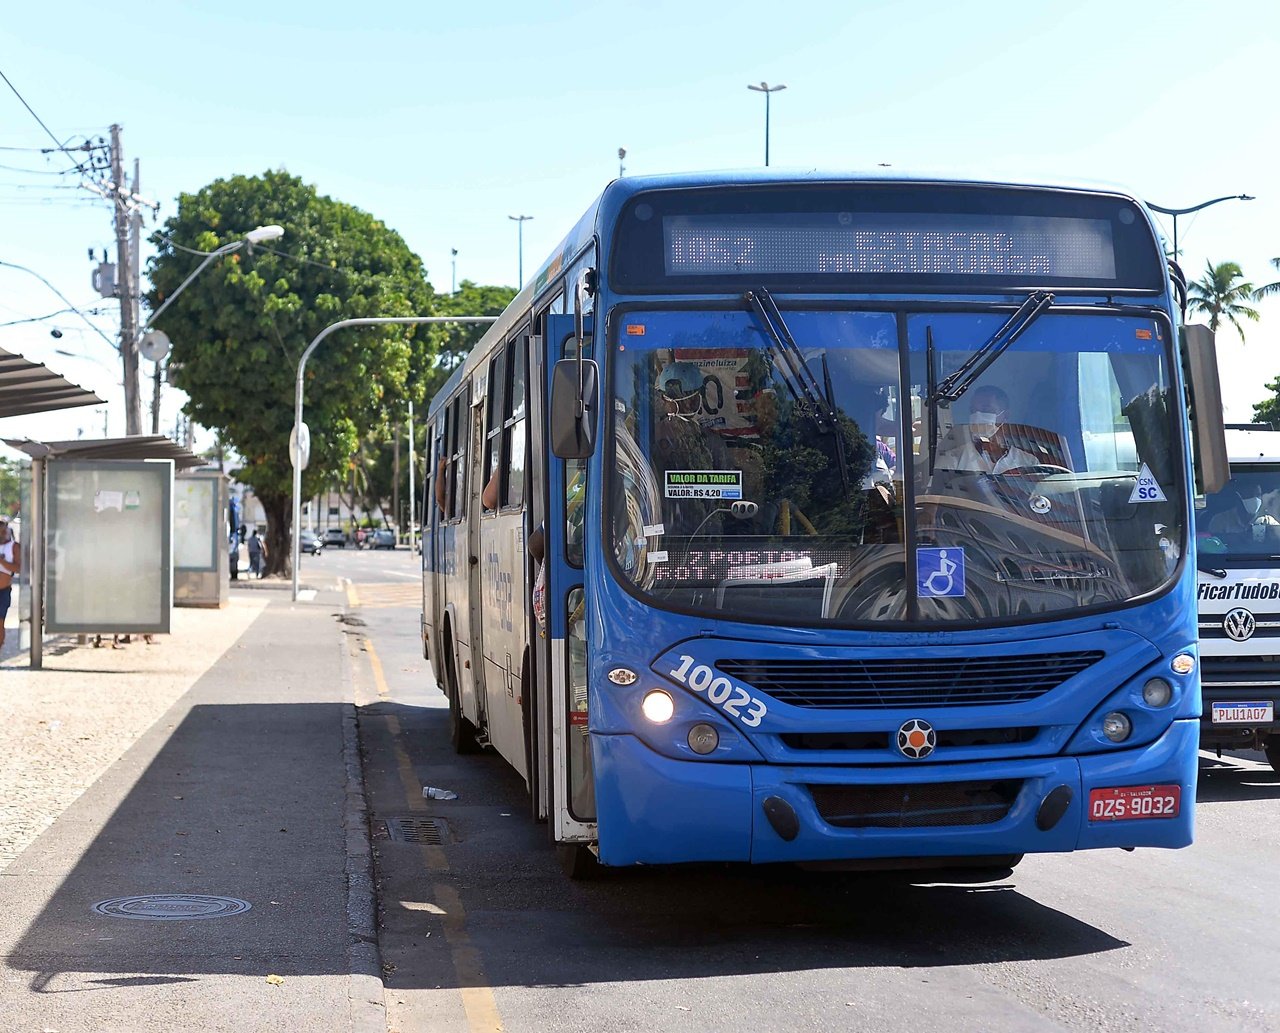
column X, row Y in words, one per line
column 483, row 932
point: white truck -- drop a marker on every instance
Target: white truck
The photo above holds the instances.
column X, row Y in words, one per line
column 1238, row 540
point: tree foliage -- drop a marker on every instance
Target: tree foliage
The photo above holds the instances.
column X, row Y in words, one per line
column 1268, row 289
column 239, row 329
column 1221, row 295
column 455, row 341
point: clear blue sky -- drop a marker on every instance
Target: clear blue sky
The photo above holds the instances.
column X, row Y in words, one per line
column 443, row 119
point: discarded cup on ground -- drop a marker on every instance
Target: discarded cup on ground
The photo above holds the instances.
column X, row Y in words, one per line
column 432, row 793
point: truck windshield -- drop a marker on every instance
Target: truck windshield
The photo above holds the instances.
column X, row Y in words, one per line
column 1243, row 519
column 1053, row 484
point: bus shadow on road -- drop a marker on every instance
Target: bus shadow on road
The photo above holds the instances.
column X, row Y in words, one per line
column 1230, row 779
column 534, row 927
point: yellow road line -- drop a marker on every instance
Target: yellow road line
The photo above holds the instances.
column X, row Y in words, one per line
column 477, row 996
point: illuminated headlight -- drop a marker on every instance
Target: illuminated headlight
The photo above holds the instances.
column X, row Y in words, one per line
column 658, row 706
column 703, row 739
column 1183, row 663
column 1157, row 692
column 1116, row 726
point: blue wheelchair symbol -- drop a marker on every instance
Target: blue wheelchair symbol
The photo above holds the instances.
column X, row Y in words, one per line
column 940, row 573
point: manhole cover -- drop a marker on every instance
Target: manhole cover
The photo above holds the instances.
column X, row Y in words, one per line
column 171, row 907
column 417, row 830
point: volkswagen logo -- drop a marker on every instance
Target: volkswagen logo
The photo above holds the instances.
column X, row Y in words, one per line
column 916, row 739
column 1239, row 624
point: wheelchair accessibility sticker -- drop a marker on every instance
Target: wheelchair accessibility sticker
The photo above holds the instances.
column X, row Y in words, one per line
column 939, row 573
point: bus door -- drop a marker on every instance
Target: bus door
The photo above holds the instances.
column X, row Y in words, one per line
column 504, row 631
column 471, row 682
column 572, row 783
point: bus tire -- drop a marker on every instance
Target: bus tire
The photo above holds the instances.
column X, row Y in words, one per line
column 462, row 733
column 1272, row 747
column 577, row 861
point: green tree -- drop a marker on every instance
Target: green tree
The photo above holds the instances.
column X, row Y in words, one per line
column 11, row 472
column 1267, row 289
column 241, row 326
column 1221, row 295
column 454, row 341
column 1268, row 411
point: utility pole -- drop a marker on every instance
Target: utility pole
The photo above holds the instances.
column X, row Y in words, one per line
column 412, row 487
column 128, row 288
column 395, row 479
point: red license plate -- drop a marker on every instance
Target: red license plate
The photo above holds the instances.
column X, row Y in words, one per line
column 1127, row 803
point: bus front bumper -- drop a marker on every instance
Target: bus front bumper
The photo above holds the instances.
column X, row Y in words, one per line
column 656, row 810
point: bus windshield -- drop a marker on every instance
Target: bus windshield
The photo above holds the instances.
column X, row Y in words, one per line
column 816, row 474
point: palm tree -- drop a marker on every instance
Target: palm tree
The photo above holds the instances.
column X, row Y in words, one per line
column 1266, row 290
column 1221, row 295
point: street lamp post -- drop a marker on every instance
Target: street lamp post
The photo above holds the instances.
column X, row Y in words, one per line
column 259, row 235
column 520, row 220
column 622, row 153
column 1175, row 212
column 453, row 271
column 766, row 89
column 299, row 435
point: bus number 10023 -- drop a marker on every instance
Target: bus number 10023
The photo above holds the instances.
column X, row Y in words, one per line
column 721, row 691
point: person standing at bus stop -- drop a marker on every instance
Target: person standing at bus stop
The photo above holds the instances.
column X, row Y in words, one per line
column 10, row 565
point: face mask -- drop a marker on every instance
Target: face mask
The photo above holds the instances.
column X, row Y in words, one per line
column 1252, row 505
column 984, row 424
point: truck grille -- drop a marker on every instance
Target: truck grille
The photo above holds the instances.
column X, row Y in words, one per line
column 936, row 805
column 937, row 682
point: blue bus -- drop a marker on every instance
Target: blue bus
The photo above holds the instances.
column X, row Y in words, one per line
column 831, row 518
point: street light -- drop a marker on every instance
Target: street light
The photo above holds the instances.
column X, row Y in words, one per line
column 622, row 153
column 453, row 271
column 259, row 235
column 520, row 220
column 1175, row 212
column 766, row 89
column 300, row 439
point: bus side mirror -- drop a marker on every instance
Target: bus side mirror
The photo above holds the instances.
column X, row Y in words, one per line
column 573, row 408
column 1208, row 435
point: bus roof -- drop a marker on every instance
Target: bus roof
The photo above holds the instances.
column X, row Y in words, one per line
column 1252, row 445
column 616, row 193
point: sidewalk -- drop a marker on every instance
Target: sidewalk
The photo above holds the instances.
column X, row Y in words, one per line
column 214, row 763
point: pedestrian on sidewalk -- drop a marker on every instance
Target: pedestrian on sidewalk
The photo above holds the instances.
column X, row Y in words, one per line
column 10, row 564
column 257, row 553
column 235, row 557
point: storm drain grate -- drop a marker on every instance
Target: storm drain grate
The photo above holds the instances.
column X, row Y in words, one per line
column 417, row 830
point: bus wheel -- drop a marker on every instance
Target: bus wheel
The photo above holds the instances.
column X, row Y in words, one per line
column 577, row 861
column 1273, row 751
column 462, row 733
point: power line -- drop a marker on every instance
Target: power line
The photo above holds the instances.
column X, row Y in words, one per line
column 63, row 297
column 38, row 118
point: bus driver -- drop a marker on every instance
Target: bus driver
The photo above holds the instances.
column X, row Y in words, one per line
column 984, row 448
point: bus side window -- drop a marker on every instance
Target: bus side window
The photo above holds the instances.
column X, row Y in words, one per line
column 513, row 433
column 494, row 408
column 457, row 461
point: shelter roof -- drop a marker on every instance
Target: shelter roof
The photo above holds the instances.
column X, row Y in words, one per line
column 28, row 387
column 138, row 447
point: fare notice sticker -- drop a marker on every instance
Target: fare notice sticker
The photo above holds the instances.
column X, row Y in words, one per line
column 704, row 484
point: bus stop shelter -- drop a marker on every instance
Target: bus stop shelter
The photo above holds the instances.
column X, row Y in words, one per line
column 130, row 452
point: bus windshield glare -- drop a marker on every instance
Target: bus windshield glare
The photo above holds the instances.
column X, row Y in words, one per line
column 829, row 481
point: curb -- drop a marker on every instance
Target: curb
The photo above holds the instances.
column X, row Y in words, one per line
column 364, row 960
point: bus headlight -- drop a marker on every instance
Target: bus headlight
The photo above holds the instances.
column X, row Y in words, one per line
column 658, row 707
column 1116, row 726
column 703, row 739
column 1157, row 692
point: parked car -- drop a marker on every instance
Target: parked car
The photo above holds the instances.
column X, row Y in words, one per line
column 335, row 536
column 309, row 541
column 383, row 538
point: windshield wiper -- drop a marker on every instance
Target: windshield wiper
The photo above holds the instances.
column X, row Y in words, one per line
column 803, row 383
column 955, row 385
